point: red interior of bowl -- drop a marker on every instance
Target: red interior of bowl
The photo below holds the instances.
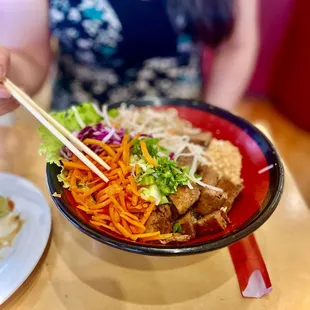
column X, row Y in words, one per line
column 255, row 184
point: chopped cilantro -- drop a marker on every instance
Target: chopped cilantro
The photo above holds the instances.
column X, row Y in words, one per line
column 151, row 144
column 167, row 176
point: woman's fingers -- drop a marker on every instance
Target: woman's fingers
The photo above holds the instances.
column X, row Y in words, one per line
column 8, row 105
column 7, row 102
column 4, row 62
column 4, row 93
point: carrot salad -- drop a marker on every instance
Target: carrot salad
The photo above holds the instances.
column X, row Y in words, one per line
column 166, row 182
column 117, row 205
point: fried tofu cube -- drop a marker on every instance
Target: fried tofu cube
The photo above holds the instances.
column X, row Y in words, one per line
column 232, row 191
column 203, row 138
column 184, row 198
column 187, row 223
column 184, row 161
column 209, row 175
column 210, row 201
column 160, row 220
column 212, row 223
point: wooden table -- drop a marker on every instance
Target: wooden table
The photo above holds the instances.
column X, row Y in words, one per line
column 77, row 272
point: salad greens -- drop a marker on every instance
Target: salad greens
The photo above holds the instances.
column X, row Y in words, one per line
column 152, row 147
column 62, row 176
column 113, row 113
column 151, row 193
column 51, row 146
column 157, row 182
column 162, row 180
column 167, row 176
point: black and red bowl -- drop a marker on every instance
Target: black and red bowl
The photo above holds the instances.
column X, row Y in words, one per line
column 259, row 199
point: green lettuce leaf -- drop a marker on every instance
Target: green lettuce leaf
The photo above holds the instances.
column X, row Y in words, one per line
column 88, row 114
column 113, row 113
column 151, row 193
column 50, row 145
column 61, row 178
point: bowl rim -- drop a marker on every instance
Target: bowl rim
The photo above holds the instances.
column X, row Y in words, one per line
column 201, row 247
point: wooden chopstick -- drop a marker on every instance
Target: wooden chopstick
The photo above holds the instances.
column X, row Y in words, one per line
column 44, row 119
column 81, row 146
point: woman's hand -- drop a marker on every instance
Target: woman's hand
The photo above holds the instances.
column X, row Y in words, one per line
column 7, row 102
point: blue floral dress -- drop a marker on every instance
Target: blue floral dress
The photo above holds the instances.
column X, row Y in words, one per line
column 112, row 51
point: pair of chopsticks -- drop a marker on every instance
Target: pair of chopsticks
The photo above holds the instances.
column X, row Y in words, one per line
column 61, row 133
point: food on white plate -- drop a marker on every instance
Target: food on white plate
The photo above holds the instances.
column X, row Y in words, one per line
column 168, row 182
column 10, row 222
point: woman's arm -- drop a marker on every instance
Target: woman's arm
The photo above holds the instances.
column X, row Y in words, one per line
column 234, row 59
column 24, row 38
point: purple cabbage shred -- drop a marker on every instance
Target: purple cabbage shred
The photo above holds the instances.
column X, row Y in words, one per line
column 96, row 132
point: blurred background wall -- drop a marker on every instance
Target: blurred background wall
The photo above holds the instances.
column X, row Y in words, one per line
column 274, row 20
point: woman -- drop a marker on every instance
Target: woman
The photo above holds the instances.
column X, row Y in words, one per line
column 114, row 50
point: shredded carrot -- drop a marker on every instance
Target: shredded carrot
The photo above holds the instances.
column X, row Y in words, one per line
column 134, row 229
column 112, row 173
column 113, row 189
column 77, row 197
column 112, row 215
column 125, row 233
column 73, row 180
column 85, row 209
column 122, row 200
column 131, row 216
column 117, row 205
column 114, row 166
column 118, row 155
column 159, row 237
column 147, row 214
column 94, row 182
column 101, row 217
column 131, row 221
column 126, row 150
column 89, row 176
column 146, row 235
column 97, row 223
column 136, row 210
column 137, row 169
column 132, row 142
column 133, row 185
column 102, row 198
column 147, row 155
column 94, row 189
column 100, row 205
column 116, row 216
column 125, row 225
column 105, row 226
column 90, row 201
column 104, row 146
column 123, row 167
column 134, row 200
column 121, row 176
column 71, row 165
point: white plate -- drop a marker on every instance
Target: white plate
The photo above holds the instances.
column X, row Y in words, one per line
column 18, row 261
